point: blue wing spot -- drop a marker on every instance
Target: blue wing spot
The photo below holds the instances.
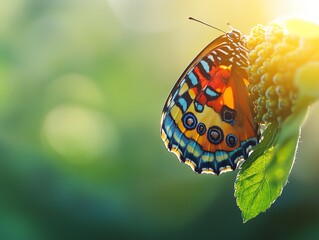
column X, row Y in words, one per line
column 205, row 65
column 189, row 121
column 198, row 107
column 231, row 140
column 184, row 101
column 228, row 115
column 169, row 126
column 211, row 94
column 201, row 128
column 182, row 104
column 201, row 67
column 193, row 78
column 215, row 135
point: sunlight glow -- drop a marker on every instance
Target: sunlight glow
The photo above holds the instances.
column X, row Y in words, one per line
column 304, row 9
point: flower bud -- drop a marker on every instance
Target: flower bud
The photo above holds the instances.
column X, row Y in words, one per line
column 274, row 57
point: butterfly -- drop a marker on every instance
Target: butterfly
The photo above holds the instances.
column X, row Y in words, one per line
column 207, row 120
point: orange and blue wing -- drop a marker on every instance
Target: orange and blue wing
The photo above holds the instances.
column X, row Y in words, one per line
column 207, row 120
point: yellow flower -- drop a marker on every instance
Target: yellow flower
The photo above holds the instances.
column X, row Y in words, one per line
column 275, row 55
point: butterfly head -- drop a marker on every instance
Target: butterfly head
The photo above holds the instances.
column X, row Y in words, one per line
column 234, row 35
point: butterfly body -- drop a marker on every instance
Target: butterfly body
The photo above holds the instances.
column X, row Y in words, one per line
column 207, row 120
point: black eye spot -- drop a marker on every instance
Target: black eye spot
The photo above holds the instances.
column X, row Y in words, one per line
column 189, row 121
column 215, row 135
column 231, row 140
column 201, row 128
column 228, row 115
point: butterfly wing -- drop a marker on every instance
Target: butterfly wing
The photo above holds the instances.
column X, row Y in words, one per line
column 207, row 119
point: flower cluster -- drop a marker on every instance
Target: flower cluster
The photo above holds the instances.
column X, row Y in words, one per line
column 274, row 57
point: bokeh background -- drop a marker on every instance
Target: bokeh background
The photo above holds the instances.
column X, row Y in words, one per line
column 82, row 86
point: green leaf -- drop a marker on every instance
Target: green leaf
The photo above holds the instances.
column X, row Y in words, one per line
column 269, row 140
column 261, row 180
column 253, row 190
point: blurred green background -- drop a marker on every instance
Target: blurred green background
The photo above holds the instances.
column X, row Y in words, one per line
column 82, row 86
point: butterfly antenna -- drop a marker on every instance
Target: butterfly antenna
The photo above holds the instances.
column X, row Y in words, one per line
column 229, row 25
column 196, row 20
